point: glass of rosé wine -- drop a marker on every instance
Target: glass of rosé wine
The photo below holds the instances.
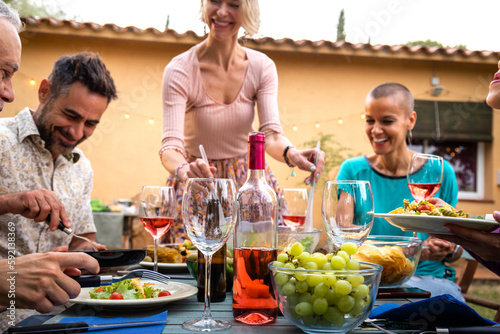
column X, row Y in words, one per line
column 209, row 210
column 294, row 203
column 157, row 210
column 425, row 174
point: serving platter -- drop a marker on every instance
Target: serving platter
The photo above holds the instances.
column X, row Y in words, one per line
column 435, row 224
column 166, row 267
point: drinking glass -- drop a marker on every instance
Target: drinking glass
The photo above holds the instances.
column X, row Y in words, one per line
column 294, row 204
column 425, row 175
column 347, row 211
column 157, row 212
column 209, row 214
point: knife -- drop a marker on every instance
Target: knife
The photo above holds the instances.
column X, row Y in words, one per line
column 78, row 327
column 467, row 330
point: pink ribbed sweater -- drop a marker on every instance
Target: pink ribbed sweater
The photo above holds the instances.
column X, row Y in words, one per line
column 191, row 117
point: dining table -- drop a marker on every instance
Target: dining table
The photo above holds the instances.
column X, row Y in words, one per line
column 190, row 308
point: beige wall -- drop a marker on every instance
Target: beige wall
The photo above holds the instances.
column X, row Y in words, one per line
column 313, row 88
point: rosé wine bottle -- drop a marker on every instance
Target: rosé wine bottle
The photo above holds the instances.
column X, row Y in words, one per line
column 255, row 242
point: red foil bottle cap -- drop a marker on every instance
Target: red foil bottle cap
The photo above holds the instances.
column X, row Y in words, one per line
column 256, row 150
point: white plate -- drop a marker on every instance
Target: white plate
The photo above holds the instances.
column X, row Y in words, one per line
column 162, row 265
column 178, row 291
column 434, row 224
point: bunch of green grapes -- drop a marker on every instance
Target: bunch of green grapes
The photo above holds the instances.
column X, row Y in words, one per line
column 323, row 298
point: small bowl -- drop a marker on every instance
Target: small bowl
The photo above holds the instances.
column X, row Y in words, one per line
column 288, row 236
column 398, row 256
column 340, row 316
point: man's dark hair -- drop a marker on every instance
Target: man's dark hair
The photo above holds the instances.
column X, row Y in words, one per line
column 86, row 68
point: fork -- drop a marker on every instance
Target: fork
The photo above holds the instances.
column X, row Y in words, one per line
column 98, row 280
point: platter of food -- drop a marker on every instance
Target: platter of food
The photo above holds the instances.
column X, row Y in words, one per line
column 171, row 257
column 435, row 224
column 178, row 291
column 428, row 218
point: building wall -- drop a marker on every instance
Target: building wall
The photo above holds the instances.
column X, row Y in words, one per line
column 314, row 88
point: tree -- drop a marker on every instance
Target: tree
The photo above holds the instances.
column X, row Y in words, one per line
column 340, row 27
column 335, row 154
column 30, row 8
column 434, row 43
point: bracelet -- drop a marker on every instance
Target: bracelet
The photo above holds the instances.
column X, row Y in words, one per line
column 177, row 170
column 285, row 157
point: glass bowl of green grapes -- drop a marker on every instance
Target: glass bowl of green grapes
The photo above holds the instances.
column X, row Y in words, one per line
column 321, row 293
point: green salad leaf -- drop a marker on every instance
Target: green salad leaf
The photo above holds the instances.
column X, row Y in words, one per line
column 126, row 289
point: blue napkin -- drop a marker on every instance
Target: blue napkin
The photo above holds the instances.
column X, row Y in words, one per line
column 155, row 329
column 440, row 311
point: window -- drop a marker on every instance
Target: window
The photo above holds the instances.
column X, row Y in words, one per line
column 457, row 132
column 467, row 160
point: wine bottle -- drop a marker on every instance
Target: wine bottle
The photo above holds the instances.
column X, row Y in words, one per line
column 218, row 265
column 255, row 241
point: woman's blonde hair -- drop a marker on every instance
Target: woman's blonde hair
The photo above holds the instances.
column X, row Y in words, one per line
column 250, row 14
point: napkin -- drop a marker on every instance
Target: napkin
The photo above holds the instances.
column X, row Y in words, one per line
column 440, row 311
column 154, row 329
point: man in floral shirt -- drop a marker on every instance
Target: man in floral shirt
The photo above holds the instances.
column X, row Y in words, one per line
column 37, row 281
column 38, row 151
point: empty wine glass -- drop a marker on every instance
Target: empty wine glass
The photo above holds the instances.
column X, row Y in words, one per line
column 294, row 204
column 425, row 175
column 157, row 212
column 209, row 214
column 347, row 211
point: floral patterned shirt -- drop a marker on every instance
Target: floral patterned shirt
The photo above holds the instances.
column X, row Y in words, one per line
column 25, row 164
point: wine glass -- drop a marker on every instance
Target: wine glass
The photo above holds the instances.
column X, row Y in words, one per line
column 209, row 214
column 425, row 175
column 157, row 212
column 347, row 211
column 294, row 203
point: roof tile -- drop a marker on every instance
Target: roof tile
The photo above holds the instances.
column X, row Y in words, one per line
column 416, row 49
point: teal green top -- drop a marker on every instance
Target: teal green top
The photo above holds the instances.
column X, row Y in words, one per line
column 389, row 193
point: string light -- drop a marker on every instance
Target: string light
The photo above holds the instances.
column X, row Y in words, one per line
column 32, row 82
column 338, row 120
column 127, row 116
column 151, row 121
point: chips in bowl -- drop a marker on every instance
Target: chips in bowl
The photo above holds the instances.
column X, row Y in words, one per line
column 398, row 257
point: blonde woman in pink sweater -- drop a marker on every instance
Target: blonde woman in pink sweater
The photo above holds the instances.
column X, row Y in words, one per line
column 209, row 97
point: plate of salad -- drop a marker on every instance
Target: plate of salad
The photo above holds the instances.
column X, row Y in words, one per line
column 425, row 217
column 134, row 294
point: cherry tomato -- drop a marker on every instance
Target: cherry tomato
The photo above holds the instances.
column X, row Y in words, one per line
column 116, row 295
column 164, row 294
column 424, row 207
